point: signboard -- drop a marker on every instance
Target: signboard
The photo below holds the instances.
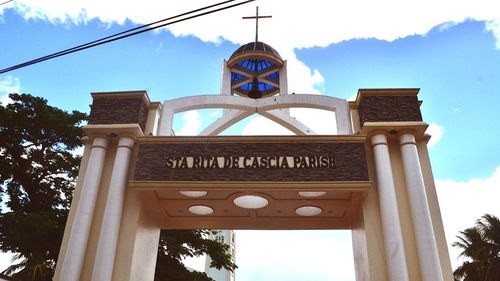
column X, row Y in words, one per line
column 247, row 159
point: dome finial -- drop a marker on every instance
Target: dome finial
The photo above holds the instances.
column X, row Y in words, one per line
column 257, row 17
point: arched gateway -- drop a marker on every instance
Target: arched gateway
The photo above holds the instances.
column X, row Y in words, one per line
column 373, row 178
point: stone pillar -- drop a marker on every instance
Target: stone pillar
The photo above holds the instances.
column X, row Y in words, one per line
column 283, row 79
column 283, row 74
column 108, row 239
column 166, row 120
column 426, row 243
column 80, row 229
column 225, row 84
column 397, row 269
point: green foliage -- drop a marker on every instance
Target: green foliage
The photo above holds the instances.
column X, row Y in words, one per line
column 480, row 246
column 37, row 176
column 37, row 167
column 177, row 244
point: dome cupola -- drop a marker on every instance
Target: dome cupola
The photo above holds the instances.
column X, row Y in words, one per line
column 255, row 69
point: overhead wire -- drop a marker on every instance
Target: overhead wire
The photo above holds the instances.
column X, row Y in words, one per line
column 130, row 32
column 3, row 3
column 120, row 33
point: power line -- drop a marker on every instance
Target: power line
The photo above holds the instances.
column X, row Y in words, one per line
column 111, row 36
column 129, row 33
column 117, row 36
column 6, row 2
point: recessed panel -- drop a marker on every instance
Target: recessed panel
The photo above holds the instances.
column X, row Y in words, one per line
column 168, row 160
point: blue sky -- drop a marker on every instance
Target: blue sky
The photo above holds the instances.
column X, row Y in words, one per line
column 452, row 54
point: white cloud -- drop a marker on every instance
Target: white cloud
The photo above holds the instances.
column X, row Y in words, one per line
column 263, row 126
column 494, row 27
column 294, row 255
column 290, row 255
column 215, row 113
column 462, row 203
column 192, row 123
column 436, row 131
column 195, row 263
column 298, row 25
column 8, row 85
column 321, row 122
column 301, row 79
column 4, row 100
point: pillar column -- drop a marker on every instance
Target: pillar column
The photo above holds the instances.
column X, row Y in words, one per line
column 424, row 234
column 283, row 74
column 166, row 120
column 108, row 238
column 77, row 243
column 397, row 269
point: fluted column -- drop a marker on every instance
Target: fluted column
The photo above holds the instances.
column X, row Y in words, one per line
column 397, row 268
column 426, row 242
column 108, row 238
column 77, row 243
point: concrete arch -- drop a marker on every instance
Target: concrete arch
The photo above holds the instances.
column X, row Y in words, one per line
column 261, row 106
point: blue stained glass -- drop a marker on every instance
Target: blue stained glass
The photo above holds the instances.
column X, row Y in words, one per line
column 265, row 87
column 274, row 77
column 262, row 87
column 236, row 76
column 256, row 65
column 247, row 87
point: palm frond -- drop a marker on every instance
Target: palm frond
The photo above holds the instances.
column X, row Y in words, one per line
column 480, row 245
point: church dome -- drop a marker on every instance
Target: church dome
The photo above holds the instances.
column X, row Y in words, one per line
column 253, row 47
column 255, row 69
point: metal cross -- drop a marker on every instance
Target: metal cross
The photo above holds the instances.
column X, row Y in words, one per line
column 257, row 17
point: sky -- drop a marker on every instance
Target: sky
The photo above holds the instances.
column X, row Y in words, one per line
column 448, row 49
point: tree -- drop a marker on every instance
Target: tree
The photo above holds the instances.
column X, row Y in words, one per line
column 37, row 175
column 177, row 244
column 480, row 246
column 38, row 169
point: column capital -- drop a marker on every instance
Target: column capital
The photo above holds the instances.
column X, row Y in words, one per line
column 126, row 140
column 407, row 137
column 85, row 140
column 100, row 141
column 412, row 131
column 113, row 130
column 380, row 137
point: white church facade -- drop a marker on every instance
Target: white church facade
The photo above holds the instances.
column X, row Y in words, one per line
column 373, row 177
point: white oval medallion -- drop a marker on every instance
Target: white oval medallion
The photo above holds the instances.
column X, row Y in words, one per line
column 310, row 194
column 251, row 202
column 193, row 193
column 200, row 210
column 308, row 211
